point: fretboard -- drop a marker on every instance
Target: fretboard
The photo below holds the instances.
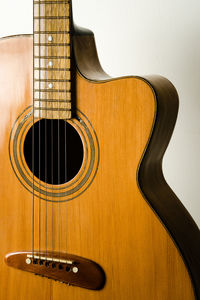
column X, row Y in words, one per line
column 52, row 59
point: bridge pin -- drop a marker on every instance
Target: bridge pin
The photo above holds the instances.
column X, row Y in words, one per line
column 75, row 270
column 28, row 261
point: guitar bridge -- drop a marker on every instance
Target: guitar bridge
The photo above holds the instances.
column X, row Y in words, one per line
column 66, row 268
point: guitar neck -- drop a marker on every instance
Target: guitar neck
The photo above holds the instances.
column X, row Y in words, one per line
column 52, row 59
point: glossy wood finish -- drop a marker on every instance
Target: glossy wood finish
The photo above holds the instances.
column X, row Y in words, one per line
column 151, row 180
column 110, row 223
column 62, row 267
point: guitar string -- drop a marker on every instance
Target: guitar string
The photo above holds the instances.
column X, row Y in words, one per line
column 58, row 140
column 33, row 167
column 70, row 97
column 45, row 36
column 68, row 94
column 52, row 175
column 65, row 140
column 39, row 164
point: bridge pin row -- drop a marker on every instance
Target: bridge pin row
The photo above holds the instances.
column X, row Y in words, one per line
column 74, row 269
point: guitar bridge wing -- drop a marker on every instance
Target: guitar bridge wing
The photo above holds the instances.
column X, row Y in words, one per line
column 66, row 268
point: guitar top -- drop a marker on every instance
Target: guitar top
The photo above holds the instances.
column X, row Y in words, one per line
column 84, row 203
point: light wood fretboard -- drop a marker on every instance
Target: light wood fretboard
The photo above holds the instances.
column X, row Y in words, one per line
column 52, row 59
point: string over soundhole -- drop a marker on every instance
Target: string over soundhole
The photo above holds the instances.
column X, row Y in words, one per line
column 76, row 166
column 53, row 151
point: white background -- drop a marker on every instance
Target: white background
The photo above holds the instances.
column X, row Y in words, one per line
column 138, row 37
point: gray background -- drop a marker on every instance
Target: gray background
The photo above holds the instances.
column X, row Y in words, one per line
column 138, row 37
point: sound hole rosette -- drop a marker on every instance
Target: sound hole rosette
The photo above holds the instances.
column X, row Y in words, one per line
column 59, row 192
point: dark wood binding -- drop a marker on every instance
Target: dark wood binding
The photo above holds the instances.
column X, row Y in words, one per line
column 158, row 194
column 86, row 56
column 66, row 268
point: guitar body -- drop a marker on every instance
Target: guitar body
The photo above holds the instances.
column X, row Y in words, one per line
column 124, row 217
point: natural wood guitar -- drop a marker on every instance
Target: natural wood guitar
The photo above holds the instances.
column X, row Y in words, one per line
column 84, row 203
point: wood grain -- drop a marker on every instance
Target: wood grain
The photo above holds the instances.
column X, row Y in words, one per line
column 110, row 223
column 52, row 60
column 151, row 180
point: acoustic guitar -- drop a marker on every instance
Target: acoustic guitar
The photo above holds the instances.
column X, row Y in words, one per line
column 84, row 203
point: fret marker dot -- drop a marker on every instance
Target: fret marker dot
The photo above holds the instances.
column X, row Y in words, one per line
column 50, row 38
column 50, row 64
column 50, row 85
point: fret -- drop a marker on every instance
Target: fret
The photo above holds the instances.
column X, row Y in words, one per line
column 51, row 49
column 52, row 69
column 51, row 80
column 43, row 10
column 57, row 63
column 51, row 18
column 63, row 115
column 51, row 24
column 52, row 100
column 56, row 85
column 52, row 96
column 51, row 2
column 52, row 76
column 48, row 98
column 52, row 109
column 51, row 57
column 52, row 113
column 51, row 32
column 51, row 44
column 53, row 90
column 56, row 38
column 56, row 106
column 63, row 97
column 52, row 52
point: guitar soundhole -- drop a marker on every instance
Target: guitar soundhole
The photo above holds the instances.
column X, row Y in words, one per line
column 53, row 151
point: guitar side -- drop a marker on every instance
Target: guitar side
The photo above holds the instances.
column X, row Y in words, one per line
column 110, row 223
column 182, row 228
